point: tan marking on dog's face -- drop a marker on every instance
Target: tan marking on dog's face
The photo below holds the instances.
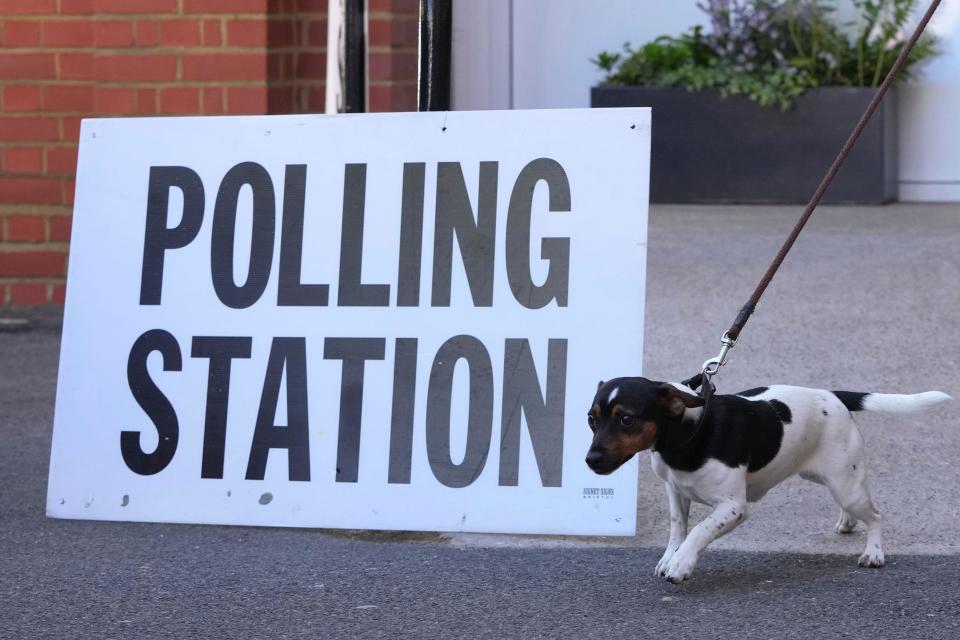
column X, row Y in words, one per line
column 627, row 444
column 615, row 412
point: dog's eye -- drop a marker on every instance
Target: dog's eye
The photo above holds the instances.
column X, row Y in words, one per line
column 591, row 420
column 627, row 421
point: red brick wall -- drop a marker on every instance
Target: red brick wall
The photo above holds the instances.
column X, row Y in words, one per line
column 392, row 32
column 62, row 60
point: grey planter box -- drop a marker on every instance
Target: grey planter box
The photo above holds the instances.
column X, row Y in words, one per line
column 711, row 149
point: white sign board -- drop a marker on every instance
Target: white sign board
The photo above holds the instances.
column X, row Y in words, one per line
column 388, row 321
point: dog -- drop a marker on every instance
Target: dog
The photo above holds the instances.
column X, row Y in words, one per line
column 746, row 444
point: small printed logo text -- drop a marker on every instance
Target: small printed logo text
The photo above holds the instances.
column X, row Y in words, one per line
column 597, row 493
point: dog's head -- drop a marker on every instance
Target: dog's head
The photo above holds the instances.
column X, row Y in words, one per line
column 627, row 414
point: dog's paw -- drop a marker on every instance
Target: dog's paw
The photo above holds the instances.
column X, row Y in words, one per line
column 873, row 557
column 846, row 523
column 661, row 569
column 680, row 567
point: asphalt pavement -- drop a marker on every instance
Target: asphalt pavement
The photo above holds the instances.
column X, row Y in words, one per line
column 868, row 300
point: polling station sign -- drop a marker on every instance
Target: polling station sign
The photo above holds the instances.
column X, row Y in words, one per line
column 388, row 321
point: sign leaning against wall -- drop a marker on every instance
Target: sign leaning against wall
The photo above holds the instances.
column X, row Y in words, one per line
column 387, row 321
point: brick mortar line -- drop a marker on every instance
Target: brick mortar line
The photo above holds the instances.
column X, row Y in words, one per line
column 198, row 48
column 147, row 84
column 404, row 15
column 40, row 18
column 27, row 211
column 48, row 280
column 223, row 31
column 133, row 17
column 159, row 49
column 46, row 210
column 60, row 18
column 202, row 84
column 67, row 82
column 44, row 144
column 97, row 17
column 8, row 246
column 95, row 84
column 393, row 48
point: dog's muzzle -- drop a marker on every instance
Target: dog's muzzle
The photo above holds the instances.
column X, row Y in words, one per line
column 594, row 458
column 601, row 462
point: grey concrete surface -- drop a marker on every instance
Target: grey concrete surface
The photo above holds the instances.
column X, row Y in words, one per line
column 869, row 300
column 142, row 582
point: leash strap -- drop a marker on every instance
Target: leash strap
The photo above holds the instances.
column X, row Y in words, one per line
column 712, row 366
column 747, row 310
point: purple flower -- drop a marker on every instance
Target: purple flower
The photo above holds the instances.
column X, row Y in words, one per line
column 741, row 30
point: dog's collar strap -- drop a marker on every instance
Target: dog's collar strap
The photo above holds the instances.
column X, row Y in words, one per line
column 694, row 382
column 706, row 389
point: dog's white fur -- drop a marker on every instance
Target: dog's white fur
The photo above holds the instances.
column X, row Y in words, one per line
column 822, row 443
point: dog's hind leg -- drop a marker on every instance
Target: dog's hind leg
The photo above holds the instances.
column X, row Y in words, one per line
column 846, row 477
column 847, row 523
column 855, row 500
column 679, row 514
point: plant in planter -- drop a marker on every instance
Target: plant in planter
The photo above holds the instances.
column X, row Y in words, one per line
column 715, row 137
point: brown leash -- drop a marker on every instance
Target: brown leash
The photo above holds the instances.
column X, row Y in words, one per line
column 710, row 368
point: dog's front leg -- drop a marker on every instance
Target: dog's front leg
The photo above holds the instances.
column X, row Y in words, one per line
column 724, row 518
column 679, row 512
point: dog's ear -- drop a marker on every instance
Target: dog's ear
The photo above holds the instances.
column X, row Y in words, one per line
column 599, row 384
column 674, row 401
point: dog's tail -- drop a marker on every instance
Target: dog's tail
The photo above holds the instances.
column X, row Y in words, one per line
column 891, row 402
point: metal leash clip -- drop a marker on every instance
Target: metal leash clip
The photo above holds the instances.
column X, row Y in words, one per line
column 702, row 382
column 712, row 366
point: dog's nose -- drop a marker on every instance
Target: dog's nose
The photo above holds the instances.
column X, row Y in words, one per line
column 593, row 458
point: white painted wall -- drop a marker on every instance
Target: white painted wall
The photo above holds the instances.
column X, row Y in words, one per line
column 529, row 54
column 482, row 49
column 555, row 40
column 929, row 124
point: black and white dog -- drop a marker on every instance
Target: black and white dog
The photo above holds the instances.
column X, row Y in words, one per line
column 747, row 443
